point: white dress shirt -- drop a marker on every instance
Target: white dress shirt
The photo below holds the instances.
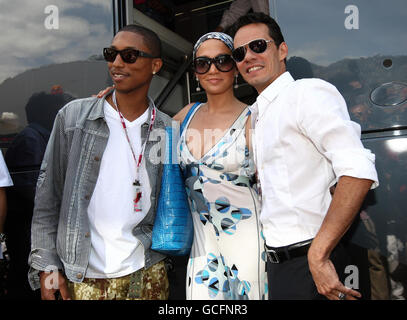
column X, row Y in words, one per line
column 303, row 142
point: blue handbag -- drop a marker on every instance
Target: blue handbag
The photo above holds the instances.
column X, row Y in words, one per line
column 173, row 230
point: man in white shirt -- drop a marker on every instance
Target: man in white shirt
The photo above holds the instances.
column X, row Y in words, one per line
column 304, row 143
column 5, row 181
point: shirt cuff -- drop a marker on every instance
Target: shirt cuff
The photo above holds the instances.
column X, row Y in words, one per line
column 355, row 163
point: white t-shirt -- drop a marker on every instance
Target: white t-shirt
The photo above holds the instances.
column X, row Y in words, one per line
column 115, row 251
column 5, row 179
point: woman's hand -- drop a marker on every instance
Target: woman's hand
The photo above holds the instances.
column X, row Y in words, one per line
column 103, row 92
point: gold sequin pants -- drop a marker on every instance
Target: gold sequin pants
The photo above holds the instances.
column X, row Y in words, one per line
column 144, row 284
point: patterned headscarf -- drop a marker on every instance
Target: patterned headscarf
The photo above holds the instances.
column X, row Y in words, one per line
column 226, row 39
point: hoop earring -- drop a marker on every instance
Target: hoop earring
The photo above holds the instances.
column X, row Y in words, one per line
column 198, row 88
column 236, row 85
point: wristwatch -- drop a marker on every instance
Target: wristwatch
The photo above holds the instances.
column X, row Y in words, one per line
column 2, row 237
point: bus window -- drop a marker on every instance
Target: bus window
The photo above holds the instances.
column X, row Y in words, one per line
column 53, row 48
column 50, row 53
column 359, row 48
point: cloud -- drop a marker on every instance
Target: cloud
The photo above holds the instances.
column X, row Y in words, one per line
column 27, row 43
column 315, row 29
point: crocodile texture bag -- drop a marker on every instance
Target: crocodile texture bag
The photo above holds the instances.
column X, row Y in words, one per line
column 173, row 227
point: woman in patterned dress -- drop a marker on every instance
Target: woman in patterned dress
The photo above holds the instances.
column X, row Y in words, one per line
column 227, row 260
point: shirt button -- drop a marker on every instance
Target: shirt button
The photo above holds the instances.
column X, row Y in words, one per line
column 87, row 234
column 96, row 158
column 87, row 197
column 79, row 275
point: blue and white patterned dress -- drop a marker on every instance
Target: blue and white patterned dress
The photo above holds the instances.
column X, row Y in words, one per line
column 227, row 260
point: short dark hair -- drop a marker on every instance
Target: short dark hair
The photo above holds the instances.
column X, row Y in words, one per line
column 259, row 17
column 42, row 108
column 151, row 39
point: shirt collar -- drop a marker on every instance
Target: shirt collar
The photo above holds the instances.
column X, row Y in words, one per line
column 97, row 109
column 97, row 112
column 273, row 90
column 151, row 105
column 269, row 94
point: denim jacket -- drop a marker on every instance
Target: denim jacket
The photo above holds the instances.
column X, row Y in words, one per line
column 60, row 228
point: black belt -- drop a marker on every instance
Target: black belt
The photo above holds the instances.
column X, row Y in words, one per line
column 281, row 254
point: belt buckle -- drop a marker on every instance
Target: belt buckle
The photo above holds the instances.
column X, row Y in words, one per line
column 272, row 255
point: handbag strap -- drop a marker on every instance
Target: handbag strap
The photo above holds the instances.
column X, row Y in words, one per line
column 186, row 119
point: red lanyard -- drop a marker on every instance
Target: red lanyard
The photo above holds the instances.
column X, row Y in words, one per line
column 150, row 128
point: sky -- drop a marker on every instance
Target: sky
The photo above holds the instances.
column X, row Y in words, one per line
column 315, row 29
column 85, row 27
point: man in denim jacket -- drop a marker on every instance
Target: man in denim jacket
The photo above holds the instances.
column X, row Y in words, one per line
column 91, row 232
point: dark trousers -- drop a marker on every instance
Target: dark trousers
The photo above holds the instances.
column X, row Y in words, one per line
column 292, row 280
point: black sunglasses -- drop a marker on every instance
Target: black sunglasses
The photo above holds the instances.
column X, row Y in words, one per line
column 257, row 46
column 127, row 55
column 223, row 63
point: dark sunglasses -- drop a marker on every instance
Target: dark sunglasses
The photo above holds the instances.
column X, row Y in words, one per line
column 223, row 63
column 257, row 46
column 127, row 55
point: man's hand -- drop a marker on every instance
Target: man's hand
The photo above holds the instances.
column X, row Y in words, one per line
column 327, row 281
column 346, row 202
column 51, row 283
